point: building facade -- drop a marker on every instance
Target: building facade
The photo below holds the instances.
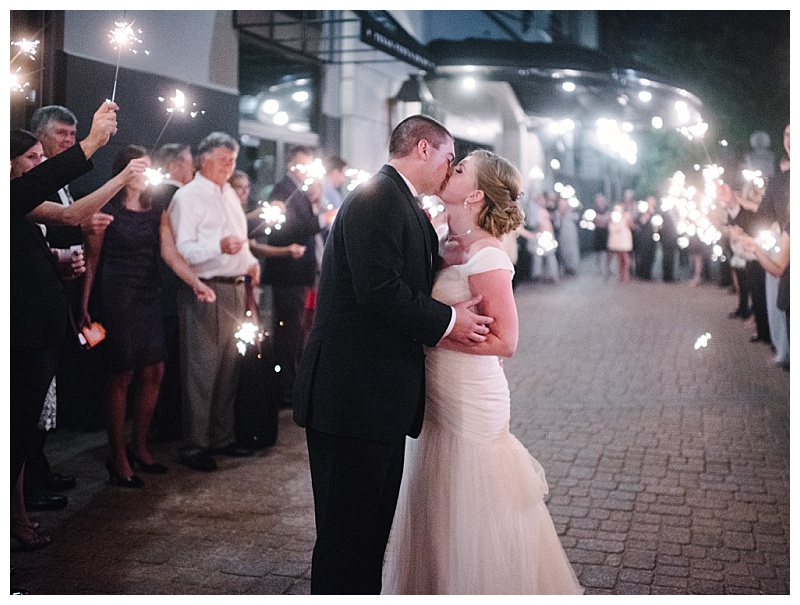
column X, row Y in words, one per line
column 530, row 85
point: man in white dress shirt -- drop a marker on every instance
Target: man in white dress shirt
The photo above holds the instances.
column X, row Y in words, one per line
column 211, row 233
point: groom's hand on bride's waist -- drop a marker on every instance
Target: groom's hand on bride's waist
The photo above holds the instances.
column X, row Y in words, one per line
column 470, row 327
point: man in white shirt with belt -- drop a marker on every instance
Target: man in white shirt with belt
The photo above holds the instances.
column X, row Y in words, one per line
column 211, row 233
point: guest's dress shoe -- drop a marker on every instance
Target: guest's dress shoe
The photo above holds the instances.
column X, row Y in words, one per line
column 232, row 450
column 29, row 539
column 134, row 481
column 199, row 461
column 56, row 482
column 42, row 500
column 136, row 464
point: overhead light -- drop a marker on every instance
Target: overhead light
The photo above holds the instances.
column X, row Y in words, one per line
column 555, row 164
column 281, row 118
column 469, row 83
column 657, row 122
column 300, row 96
column 645, row 96
column 568, row 86
column 269, row 106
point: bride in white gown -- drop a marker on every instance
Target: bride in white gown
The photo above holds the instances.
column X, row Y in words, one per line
column 471, row 517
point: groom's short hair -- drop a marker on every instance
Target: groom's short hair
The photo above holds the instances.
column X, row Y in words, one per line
column 412, row 130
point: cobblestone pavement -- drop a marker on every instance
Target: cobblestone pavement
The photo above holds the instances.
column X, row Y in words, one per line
column 668, row 465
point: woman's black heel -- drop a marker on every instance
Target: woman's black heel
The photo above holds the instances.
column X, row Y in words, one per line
column 138, row 465
column 116, row 479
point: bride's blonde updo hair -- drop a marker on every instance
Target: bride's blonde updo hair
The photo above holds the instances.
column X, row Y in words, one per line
column 501, row 184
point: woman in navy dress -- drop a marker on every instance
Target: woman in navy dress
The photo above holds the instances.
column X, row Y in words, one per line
column 123, row 280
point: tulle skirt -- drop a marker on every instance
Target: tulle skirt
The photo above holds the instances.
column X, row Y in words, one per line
column 471, row 517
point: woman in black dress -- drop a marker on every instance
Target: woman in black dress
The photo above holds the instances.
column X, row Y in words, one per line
column 122, row 277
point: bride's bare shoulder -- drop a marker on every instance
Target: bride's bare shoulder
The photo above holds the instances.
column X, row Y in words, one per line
column 486, row 242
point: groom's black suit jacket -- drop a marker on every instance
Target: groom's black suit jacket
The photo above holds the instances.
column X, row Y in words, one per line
column 363, row 371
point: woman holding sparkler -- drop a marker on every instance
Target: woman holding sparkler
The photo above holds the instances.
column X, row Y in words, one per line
column 123, row 279
column 38, row 302
column 471, row 517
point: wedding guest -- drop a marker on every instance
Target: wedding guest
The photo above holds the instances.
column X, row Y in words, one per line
column 643, row 243
column 601, row 232
column 122, row 273
column 292, row 278
column 567, row 227
column 176, row 161
column 620, row 240
column 39, row 308
column 211, row 234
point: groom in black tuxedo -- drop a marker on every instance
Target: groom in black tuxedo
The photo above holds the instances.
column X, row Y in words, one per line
column 360, row 387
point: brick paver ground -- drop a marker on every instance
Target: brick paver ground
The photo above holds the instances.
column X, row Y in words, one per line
column 668, row 465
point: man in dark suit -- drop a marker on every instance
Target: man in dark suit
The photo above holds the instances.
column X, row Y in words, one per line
column 290, row 277
column 360, row 388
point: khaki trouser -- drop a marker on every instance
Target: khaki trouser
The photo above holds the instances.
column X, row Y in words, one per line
column 209, row 365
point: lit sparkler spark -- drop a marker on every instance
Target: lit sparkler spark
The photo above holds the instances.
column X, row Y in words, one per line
column 432, row 205
column 178, row 101
column 311, row 172
column 26, row 47
column 17, row 85
column 695, row 131
column 124, row 36
column 768, row 241
column 356, row 177
column 248, row 334
column 273, row 217
column 702, row 341
column 692, row 208
column 154, row 176
column 754, row 176
column 545, row 243
column 587, row 220
column 178, row 104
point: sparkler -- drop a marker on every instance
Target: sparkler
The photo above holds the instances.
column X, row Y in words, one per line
column 356, row 177
column 154, row 176
column 312, row 172
column 768, row 241
column 272, row 217
column 587, row 220
column 178, row 105
column 545, row 243
column 248, row 334
column 702, row 341
column 432, row 205
column 18, row 81
column 27, row 48
column 17, row 85
column 123, row 36
column 693, row 207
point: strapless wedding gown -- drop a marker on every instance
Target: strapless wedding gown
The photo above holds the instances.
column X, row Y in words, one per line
column 471, row 517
